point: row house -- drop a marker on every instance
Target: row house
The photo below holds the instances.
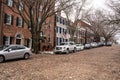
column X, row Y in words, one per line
column 69, row 31
column 83, row 33
column 62, row 31
column 48, row 31
column 14, row 30
column 56, row 29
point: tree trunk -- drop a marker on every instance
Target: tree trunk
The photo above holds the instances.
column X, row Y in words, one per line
column 36, row 42
column 97, row 38
column 106, row 40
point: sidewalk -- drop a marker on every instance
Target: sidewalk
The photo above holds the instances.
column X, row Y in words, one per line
column 47, row 52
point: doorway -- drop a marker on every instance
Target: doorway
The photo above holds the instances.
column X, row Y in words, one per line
column 19, row 39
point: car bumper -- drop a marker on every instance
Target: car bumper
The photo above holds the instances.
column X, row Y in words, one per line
column 60, row 51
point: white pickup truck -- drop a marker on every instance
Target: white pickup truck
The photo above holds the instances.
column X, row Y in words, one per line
column 65, row 47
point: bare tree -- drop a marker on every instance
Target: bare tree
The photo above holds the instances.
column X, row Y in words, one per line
column 100, row 25
column 73, row 14
column 114, row 5
column 95, row 20
column 35, row 13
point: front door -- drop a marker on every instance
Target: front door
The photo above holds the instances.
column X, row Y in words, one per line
column 18, row 41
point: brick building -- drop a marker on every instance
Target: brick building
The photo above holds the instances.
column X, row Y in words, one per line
column 14, row 30
column 48, row 31
column 83, row 34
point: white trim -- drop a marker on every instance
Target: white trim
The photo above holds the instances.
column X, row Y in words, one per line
column 9, row 19
column 7, row 40
column 10, row 3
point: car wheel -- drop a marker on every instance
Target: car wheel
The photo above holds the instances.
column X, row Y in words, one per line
column 26, row 56
column 1, row 59
column 67, row 51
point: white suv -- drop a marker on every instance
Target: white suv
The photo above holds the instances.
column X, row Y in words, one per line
column 65, row 47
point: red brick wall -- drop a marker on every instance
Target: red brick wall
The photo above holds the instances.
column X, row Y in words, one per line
column 49, row 31
column 12, row 30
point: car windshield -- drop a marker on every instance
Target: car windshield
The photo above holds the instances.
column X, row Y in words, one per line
column 64, row 44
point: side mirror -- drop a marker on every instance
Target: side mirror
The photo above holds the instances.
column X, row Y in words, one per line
column 9, row 50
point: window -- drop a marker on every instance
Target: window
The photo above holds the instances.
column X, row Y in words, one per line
column 41, row 8
column 63, row 31
column 60, row 40
column 6, row 40
column 20, row 6
column 8, row 19
column 49, row 40
column 39, row 20
column 19, row 36
column 19, row 22
column 66, row 40
column 57, row 41
column 13, row 48
column 41, row 34
column 60, row 30
column 57, row 18
column 9, row 3
column 20, row 47
column 61, row 20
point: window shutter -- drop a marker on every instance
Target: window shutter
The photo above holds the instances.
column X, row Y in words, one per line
column 12, row 17
column 7, row 2
column 17, row 19
column 13, row 4
column 5, row 18
column 22, row 22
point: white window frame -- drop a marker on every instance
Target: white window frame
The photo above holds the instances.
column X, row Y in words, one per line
column 21, row 6
column 9, row 19
column 20, row 22
column 7, row 40
column 30, row 43
column 41, row 7
column 10, row 3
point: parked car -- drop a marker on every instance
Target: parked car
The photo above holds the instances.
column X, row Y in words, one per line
column 79, row 47
column 87, row 46
column 109, row 43
column 65, row 47
column 100, row 44
column 93, row 44
column 14, row 52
